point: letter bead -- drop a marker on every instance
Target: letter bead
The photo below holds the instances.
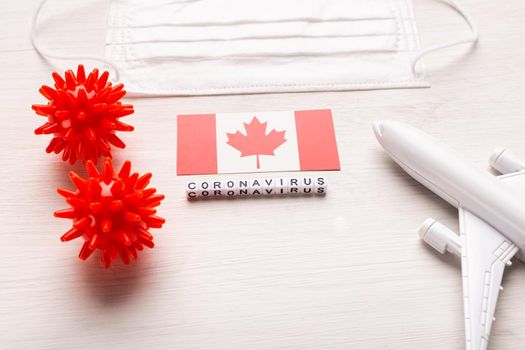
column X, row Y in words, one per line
column 321, row 186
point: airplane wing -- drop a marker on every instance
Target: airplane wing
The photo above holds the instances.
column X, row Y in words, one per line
column 485, row 252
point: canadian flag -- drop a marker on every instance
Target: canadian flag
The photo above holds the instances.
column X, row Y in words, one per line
column 256, row 142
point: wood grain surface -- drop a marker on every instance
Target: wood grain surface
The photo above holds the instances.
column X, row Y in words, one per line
column 346, row 271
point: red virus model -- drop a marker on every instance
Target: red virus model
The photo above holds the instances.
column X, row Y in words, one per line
column 112, row 212
column 83, row 115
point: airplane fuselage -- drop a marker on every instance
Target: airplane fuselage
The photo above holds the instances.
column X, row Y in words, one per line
column 457, row 181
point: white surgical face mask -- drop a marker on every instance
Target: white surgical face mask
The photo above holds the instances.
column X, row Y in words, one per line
column 204, row 47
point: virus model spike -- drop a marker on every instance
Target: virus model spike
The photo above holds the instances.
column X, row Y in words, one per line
column 112, row 211
column 83, row 115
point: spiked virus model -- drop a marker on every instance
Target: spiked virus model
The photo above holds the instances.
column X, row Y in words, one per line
column 112, row 212
column 83, row 115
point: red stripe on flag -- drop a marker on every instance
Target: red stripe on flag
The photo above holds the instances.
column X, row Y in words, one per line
column 316, row 140
column 196, row 144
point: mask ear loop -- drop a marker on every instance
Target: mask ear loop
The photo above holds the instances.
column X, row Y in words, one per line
column 473, row 38
column 50, row 55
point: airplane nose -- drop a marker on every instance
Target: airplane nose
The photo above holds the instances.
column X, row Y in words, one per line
column 378, row 129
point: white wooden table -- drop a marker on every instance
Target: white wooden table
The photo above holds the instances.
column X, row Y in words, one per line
column 342, row 272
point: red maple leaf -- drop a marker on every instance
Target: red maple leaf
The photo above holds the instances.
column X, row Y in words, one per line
column 256, row 142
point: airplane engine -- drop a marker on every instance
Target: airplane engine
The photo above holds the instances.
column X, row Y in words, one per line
column 505, row 162
column 440, row 237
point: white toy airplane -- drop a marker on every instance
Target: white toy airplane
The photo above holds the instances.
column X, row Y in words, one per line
column 491, row 214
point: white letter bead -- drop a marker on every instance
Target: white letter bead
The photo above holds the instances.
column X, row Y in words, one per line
column 217, row 193
column 191, row 190
column 244, row 187
column 229, row 184
column 191, row 194
column 256, row 190
column 231, row 192
column 280, row 186
column 306, row 185
column 294, row 183
column 204, row 189
column 268, row 186
column 320, row 186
